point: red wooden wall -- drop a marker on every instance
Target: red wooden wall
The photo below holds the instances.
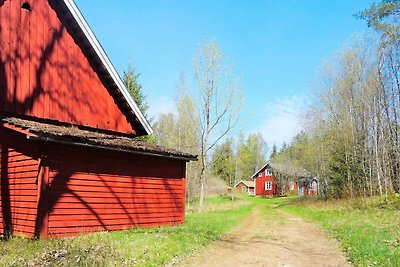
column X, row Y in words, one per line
column 239, row 187
column 102, row 190
column 44, row 72
column 121, row 192
column 260, row 185
column 18, row 187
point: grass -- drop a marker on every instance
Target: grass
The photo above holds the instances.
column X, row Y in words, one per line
column 368, row 229
column 137, row 247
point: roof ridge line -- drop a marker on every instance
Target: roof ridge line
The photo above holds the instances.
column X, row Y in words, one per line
column 89, row 34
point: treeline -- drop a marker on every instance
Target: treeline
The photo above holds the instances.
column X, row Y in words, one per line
column 352, row 130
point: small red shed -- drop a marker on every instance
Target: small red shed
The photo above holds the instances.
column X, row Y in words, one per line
column 245, row 186
column 69, row 163
column 265, row 183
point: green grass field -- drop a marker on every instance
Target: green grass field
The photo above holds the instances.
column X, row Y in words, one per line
column 137, row 247
column 368, row 229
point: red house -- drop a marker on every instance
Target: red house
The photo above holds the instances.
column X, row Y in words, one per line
column 265, row 183
column 308, row 186
column 68, row 161
column 245, row 186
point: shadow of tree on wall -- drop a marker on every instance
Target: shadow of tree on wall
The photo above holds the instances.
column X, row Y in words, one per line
column 101, row 191
column 13, row 99
column 110, row 195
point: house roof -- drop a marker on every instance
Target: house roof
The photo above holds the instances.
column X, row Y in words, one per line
column 246, row 183
column 290, row 170
column 263, row 167
column 285, row 169
column 73, row 135
column 103, row 65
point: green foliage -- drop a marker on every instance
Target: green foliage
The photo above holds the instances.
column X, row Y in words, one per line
column 369, row 234
column 224, row 162
column 251, row 155
column 131, row 81
column 383, row 16
column 274, row 152
column 181, row 131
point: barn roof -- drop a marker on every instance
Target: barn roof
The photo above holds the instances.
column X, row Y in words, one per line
column 246, row 183
column 73, row 135
column 91, row 45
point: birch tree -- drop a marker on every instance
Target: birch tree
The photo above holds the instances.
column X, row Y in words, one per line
column 218, row 103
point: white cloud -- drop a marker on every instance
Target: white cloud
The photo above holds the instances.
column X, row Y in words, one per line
column 282, row 119
column 161, row 105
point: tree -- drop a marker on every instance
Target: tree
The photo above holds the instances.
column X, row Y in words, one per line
column 218, row 103
column 131, row 81
column 382, row 17
column 224, row 161
column 180, row 131
column 274, row 152
column 251, row 154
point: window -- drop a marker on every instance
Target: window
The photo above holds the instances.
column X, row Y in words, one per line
column 268, row 185
column 313, row 185
column 260, row 174
column 268, row 172
column 244, row 189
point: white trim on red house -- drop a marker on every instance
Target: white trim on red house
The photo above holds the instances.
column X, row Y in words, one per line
column 107, row 63
column 266, row 164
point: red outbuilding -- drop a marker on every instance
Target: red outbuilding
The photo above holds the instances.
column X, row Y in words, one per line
column 245, row 186
column 69, row 163
column 265, row 183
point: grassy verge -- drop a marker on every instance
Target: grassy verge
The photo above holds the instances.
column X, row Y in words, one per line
column 368, row 229
column 137, row 247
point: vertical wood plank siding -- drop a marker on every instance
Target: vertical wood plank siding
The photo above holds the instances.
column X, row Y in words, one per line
column 260, row 185
column 59, row 196
column 18, row 200
column 45, row 73
column 111, row 191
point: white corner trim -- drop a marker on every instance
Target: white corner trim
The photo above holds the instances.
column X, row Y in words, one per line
column 106, row 61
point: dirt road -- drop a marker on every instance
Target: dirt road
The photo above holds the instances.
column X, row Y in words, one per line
column 271, row 238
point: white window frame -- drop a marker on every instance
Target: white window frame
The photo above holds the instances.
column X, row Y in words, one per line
column 260, row 174
column 268, row 186
column 268, row 172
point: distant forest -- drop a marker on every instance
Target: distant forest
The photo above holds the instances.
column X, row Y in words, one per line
column 351, row 136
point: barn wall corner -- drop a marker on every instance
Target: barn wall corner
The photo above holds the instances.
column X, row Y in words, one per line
column 42, row 218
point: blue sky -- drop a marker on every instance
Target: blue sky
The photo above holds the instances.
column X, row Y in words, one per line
column 276, row 48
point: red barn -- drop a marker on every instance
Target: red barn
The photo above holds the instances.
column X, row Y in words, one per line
column 265, row 183
column 245, row 186
column 68, row 161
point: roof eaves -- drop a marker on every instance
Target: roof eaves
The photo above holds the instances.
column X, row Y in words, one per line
column 265, row 165
column 107, row 63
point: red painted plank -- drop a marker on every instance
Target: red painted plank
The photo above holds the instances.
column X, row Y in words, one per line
column 69, row 198
column 83, row 188
column 89, row 177
column 150, row 204
column 64, row 214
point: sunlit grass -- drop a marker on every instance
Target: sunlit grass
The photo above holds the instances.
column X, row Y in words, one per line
column 368, row 229
column 137, row 247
